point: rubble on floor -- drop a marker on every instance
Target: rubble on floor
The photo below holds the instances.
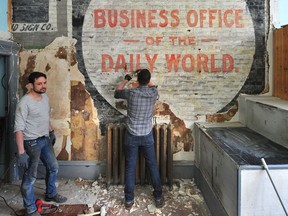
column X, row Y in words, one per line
column 183, row 198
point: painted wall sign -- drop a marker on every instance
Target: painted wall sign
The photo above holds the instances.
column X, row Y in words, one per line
column 50, row 26
column 200, row 53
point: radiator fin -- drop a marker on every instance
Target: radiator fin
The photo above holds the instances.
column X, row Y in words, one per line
column 116, row 156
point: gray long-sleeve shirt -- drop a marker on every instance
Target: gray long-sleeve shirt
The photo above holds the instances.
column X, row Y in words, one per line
column 32, row 117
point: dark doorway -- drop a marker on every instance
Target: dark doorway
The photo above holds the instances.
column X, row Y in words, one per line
column 3, row 109
column 8, row 99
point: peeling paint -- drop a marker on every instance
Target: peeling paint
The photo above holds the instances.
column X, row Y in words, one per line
column 62, row 53
column 73, row 115
column 73, row 59
column 182, row 136
column 48, row 67
column 78, row 97
column 85, row 132
column 30, row 66
column 222, row 117
column 63, row 155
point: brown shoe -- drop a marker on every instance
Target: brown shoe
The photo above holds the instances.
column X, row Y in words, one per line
column 160, row 202
column 128, row 205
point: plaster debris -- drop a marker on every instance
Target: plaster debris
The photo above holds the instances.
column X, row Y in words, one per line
column 183, row 198
column 151, row 208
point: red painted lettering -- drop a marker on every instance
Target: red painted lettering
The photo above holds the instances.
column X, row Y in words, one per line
column 150, row 61
column 192, row 18
column 212, row 18
column 226, row 21
column 140, row 18
column 135, row 18
column 173, row 38
column 120, row 62
column 238, row 18
column 172, row 60
column 190, row 40
column 124, row 17
column 202, row 61
column 99, row 18
column 107, row 58
column 151, row 19
column 174, row 16
column 227, row 66
column 163, row 16
column 213, row 68
column 202, row 17
column 184, row 63
column 112, row 18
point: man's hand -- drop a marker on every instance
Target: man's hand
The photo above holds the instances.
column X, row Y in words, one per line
column 128, row 77
column 22, row 160
column 52, row 138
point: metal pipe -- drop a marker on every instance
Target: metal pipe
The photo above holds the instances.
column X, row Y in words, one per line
column 267, row 170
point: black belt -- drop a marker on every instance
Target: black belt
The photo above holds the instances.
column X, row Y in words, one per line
column 39, row 138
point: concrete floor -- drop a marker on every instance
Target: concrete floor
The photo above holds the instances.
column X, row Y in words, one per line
column 86, row 196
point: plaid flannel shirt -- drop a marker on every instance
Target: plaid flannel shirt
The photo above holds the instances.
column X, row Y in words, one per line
column 140, row 102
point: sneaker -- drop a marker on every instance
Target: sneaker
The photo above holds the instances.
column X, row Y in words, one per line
column 36, row 213
column 57, row 198
column 160, row 202
column 128, row 205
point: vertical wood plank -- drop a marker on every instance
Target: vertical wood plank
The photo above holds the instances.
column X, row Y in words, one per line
column 280, row 63
column 163, row 151
column 156, row 132
column 170, row 156
column 285, row 63
column 115, row 154
column 109, row 154
column 275, row 63
column 122, row 154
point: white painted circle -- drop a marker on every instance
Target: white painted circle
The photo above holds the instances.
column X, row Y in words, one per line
column 209, row 32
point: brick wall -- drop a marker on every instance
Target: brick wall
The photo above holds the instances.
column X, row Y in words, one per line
column 202, row 55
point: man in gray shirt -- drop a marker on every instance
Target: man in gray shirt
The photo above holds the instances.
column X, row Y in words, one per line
column 34, row 138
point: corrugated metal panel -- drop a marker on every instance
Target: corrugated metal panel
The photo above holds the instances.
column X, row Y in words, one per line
column 280, row 67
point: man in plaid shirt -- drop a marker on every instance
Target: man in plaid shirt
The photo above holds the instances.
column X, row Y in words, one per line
column 139, row 134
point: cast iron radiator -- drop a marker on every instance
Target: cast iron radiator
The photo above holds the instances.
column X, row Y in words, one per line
column 116, row 157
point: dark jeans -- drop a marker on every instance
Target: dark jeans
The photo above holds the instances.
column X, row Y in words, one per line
column 38, row 149
column 145, row 144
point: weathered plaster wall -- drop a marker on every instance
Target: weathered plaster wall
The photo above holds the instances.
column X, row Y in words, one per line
column 202, row 55
column 73, row 115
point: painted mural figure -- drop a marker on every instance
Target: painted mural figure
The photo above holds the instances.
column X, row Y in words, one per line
column 139, row 135
column 35, row 138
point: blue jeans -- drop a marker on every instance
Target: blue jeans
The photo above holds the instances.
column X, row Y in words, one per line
column 132, row 145
column 38, row 149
